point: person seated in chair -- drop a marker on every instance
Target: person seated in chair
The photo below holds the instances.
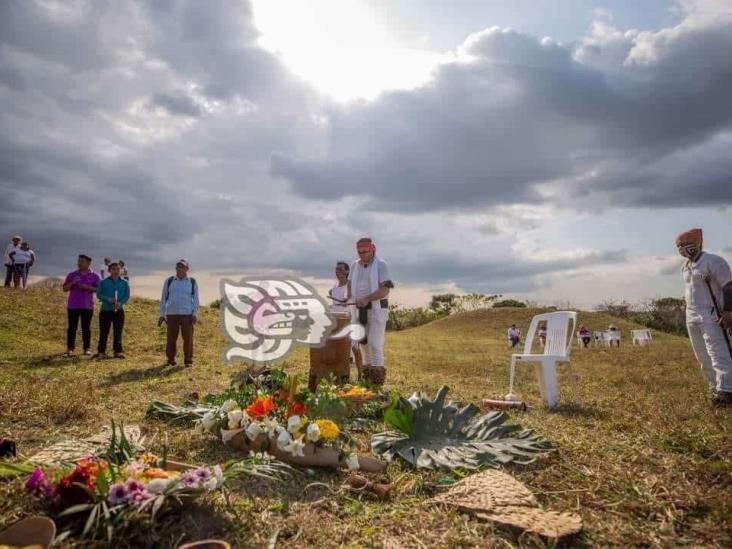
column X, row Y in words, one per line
column 514, row 336
column 614, row 334
column 585, row 336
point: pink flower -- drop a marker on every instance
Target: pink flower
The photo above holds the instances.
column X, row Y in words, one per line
column 38, row 484
column 118, row 494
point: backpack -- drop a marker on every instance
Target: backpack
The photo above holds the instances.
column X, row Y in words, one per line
column 170, row 281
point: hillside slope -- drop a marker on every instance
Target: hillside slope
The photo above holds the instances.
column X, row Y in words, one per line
column 644, row 459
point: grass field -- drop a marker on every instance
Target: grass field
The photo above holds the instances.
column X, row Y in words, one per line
column 644, row 459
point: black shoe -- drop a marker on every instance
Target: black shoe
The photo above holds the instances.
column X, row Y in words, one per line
column 722, row 399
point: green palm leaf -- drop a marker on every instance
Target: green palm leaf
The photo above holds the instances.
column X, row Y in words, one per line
column 450, row 435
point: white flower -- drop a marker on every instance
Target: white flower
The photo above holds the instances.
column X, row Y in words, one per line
column 210, row 485
column 218, row 475
column 209, row 421
column 293, row 424
column 157, row 486
column 295, row 447
column 352, row 462
column 313, row 432
column 270, row 425
column 235, row 417
column 229, row 405
column 283, row 438
column 254, row 430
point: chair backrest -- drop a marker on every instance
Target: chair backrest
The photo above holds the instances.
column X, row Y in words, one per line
column 613, row 335
column 641, row 334
column 560, row 327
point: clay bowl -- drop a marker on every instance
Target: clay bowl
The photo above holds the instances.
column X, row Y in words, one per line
column 34, row 531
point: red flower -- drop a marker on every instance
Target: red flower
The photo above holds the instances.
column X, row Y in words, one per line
column 71, row 487
column 261, row 407
column 297, row 409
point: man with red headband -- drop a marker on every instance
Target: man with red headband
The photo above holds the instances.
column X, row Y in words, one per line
column 369, row 283
column 708, row 285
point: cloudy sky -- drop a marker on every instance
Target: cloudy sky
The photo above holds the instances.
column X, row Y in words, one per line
column 543, row 149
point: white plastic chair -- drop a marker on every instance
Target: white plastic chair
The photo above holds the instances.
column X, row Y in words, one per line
column 641, row 337
column 612, row 335
column 558, row 346
column 598, row 338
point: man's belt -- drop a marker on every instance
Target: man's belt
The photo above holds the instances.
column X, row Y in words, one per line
column 363, row 313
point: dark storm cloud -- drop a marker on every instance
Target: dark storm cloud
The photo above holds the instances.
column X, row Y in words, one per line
column 518, row 116
column 152, row 130
column 176, row 104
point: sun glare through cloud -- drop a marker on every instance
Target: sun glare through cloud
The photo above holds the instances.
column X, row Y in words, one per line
column 341, row 47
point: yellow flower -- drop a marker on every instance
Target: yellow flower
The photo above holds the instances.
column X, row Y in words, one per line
column 328, row 429
column 151, row 460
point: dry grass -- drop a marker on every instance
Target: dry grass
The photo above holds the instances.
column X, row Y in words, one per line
column 644, row 459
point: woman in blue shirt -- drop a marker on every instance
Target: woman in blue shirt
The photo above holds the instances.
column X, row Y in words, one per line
column 113, row 292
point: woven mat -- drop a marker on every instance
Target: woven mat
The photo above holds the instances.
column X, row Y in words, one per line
column 497, row 496
column 71, row 449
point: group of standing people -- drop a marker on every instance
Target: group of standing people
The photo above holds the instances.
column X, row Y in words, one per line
column 18, row 260
column 178, row 308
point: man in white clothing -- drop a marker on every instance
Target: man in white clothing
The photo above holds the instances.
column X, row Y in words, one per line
column 708, row 295
column 8, row 260
column 369, row 284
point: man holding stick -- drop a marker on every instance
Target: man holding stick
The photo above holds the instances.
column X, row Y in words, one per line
column 369, row 283
column 708, row 285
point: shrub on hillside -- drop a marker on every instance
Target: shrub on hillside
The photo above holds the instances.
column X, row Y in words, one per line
column 401, row 318
column 509, row 303
column 666, row 314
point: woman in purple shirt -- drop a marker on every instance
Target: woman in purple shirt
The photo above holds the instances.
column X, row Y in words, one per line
column 81, row 285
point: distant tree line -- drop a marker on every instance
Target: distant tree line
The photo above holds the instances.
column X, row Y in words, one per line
column 666, row 314
column 441, row 305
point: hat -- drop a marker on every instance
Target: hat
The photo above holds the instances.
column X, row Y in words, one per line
column 84, row 256
column 182, row 262
column 17, row 237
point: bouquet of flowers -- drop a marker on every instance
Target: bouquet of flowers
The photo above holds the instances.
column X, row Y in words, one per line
column 98, row 493
column 293, row 425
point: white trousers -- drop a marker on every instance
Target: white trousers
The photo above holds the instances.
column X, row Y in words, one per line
column 373, row 351
column 712, row 352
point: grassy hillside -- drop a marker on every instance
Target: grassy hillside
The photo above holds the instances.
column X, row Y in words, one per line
column 644, row 459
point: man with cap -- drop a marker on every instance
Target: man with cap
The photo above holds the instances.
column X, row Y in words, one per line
column 708, row 295
column 81, row 285
column 369, row 284
column 8, row 260
column 179, row 310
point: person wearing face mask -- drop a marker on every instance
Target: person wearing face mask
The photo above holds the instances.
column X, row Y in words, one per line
column 369, row 284
column 708, row 280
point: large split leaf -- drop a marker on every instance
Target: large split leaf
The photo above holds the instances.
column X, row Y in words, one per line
column 450, row 435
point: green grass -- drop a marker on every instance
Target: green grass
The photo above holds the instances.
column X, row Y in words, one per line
column 644, row 460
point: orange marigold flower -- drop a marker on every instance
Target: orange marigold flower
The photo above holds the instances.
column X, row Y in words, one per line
column 261, row 407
